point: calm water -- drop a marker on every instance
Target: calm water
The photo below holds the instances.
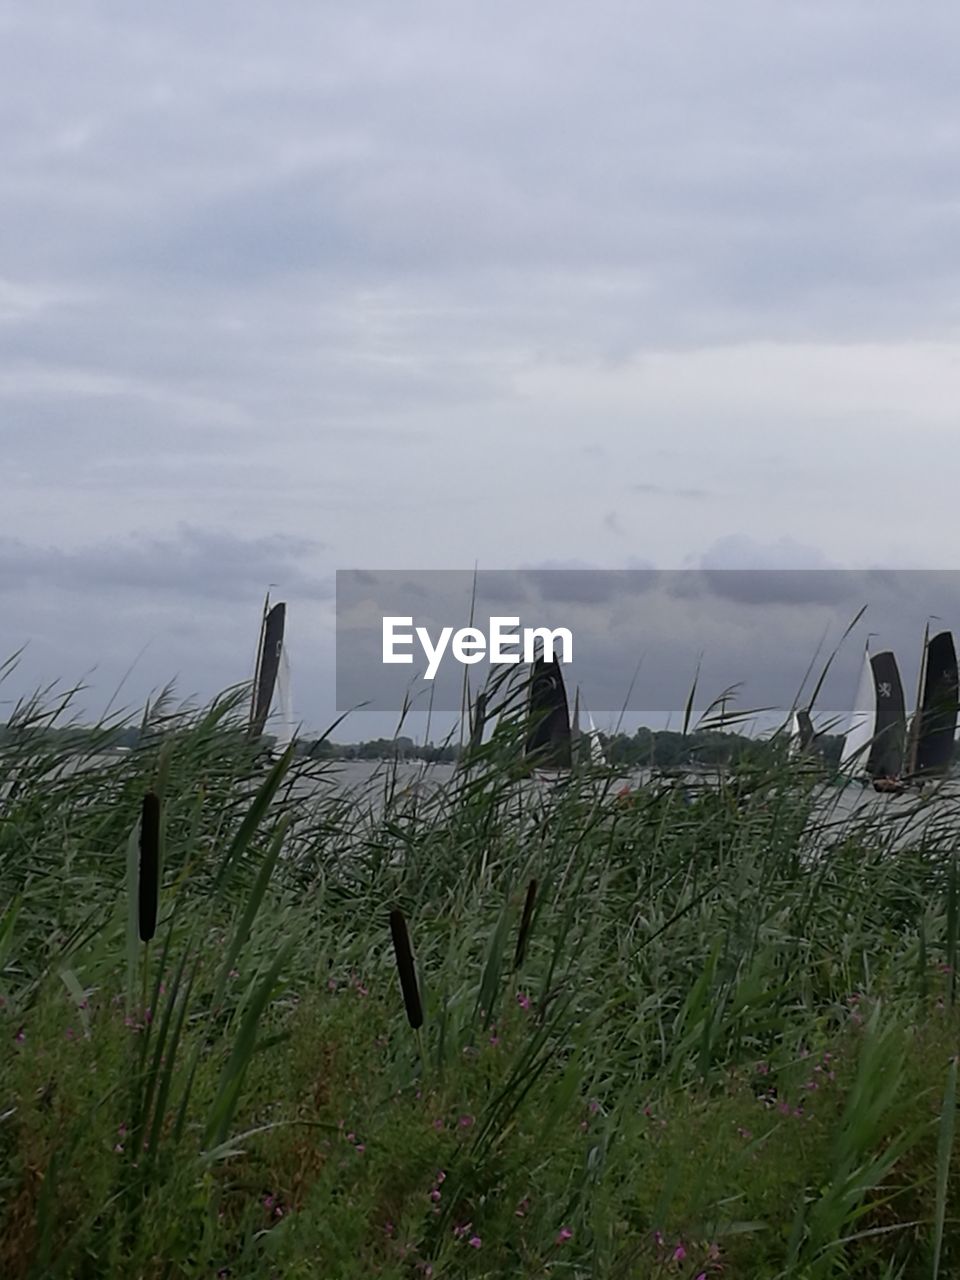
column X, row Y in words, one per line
column 933, row 817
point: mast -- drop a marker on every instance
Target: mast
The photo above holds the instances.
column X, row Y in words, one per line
column 575, row 743
column 259, row 660
column 916, row 720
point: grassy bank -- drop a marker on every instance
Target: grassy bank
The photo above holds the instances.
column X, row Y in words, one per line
column 723, row 1045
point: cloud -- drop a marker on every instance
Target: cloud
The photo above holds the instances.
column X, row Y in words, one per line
column 666, row 491
column 209, row 563
column 430, row 287
column 739, row 551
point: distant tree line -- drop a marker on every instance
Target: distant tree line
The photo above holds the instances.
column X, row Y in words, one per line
column 381, row 749
column 666, row 749
column 646, row 748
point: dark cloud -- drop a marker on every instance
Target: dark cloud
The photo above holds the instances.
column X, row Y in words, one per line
column 785, row 586
column 208, row 563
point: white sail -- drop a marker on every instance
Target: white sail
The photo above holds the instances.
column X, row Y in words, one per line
column 863, row 719
column 596, row 746
column 285, row 727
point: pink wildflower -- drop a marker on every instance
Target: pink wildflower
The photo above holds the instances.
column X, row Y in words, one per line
column 466, row 1122
column 523, row 1000
column 563, row 1235
column 475, row 1242
column 679, row 1253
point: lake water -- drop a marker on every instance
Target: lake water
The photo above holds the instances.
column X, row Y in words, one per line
column 932, row 817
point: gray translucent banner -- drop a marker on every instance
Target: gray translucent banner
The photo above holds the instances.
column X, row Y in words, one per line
column 645, row 634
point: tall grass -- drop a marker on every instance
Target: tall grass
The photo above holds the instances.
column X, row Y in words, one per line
column 669, row 1033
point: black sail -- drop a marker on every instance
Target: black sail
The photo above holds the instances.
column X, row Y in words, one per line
column 548, row 739
column 938, row 710
column 804, row 730
column 889, row 735
column 267, row 667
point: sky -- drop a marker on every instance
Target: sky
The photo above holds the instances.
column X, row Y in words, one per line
column 292, row 288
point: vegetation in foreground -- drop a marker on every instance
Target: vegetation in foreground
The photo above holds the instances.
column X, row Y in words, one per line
column 664, row 1034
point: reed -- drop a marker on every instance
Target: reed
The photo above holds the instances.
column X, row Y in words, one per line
column 724, row 1038
column 526, row 920
column 406, row 969
column 149, row 878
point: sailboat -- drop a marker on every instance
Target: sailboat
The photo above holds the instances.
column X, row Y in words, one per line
column 875, row 739
column 934, row 723
column 548, row 744
column 272, row 676
column 801, row 732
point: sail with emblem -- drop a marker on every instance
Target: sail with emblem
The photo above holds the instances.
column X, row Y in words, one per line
column 885, row 759
column 874, row 743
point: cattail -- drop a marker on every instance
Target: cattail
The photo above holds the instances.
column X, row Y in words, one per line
column 149, row 865
column 525, row 920
column 406, row 969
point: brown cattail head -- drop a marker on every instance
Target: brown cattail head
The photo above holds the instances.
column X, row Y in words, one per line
column 149, row 865
column 406, row 969
column 525, row 921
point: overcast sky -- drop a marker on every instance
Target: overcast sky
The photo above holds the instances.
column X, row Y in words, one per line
column 288, row 288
